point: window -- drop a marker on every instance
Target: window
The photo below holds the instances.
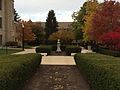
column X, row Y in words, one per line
column 0, row 4
column 0, row 22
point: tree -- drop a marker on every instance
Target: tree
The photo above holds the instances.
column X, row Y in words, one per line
column 91, row 8
column 28, row 34
column 38, row 30
column 51, row 24
column 16, row 16
column 63, row 35
column 111, row 40
column 106, row 19
column 79, row 21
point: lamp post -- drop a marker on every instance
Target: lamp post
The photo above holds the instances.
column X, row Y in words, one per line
column 23, row 36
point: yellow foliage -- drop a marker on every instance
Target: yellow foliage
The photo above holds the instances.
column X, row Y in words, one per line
column 91, row 8
column 63, row 35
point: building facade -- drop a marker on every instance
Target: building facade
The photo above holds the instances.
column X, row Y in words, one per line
column 61, row 25
column 7, row 32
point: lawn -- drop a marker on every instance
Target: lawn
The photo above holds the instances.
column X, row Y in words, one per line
column 8, row 51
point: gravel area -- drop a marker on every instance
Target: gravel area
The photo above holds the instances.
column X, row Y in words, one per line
column 57, row 77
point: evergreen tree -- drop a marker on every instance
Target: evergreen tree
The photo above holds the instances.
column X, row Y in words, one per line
column 51, row 24
column 16, row 16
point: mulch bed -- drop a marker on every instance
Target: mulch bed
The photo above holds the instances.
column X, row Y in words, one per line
column 49, row 77
column 54, row 53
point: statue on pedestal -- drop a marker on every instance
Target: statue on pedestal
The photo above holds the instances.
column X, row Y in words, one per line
column 58, row 46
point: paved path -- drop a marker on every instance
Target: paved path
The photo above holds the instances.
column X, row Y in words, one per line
column 56, row 73
column 57, row 78
column 26, row 51
column 58, row 60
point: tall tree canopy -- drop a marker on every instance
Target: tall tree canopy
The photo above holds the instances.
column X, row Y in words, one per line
column 79, row 21
column 106, row 19
column 64, row 35
column 38, row 30
column 28, row 34
column 91, row 7
column 51, row 24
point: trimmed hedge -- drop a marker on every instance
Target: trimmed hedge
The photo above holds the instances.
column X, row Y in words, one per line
column 44, row 49
column 102, row 72
column 108, row 52
column 72, row 49
column 16, row 69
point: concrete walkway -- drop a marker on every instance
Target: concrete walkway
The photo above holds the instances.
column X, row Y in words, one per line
column 26, row 51
column 58, row 60
column 56, row 73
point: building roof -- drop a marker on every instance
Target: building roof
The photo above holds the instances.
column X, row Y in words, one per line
column 61, row 24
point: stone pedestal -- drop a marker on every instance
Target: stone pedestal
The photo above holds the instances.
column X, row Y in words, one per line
column 89, row 47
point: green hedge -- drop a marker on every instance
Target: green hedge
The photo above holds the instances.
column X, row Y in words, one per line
column 108, row 52
column 44, row 49
column 72, row 49
column 16, row 69
column 102, row 72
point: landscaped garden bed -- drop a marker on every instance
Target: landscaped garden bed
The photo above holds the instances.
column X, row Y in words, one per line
column 102, row 71
column 16, row 69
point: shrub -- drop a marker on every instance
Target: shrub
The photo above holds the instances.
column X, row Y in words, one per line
column 111, row 40
column 11, row 43
column 102, row 72
column 108, row 52
column 16, row 69
column 44, row 49
column 72, row 49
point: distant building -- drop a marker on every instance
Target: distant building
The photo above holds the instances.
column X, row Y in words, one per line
column 7, row 32
column 62, row 25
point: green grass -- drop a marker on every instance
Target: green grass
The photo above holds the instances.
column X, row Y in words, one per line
column 28, row 47
column 102, row 71
column 8, row 51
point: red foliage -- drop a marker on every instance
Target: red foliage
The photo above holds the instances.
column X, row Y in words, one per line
column 111, row 40
column 106, row 19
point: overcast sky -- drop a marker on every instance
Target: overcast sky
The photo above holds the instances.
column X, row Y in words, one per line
column 37, row 10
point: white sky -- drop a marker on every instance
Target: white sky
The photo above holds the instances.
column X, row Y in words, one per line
column 37, row 10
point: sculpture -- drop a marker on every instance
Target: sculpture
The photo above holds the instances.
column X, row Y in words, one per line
column 58, row 46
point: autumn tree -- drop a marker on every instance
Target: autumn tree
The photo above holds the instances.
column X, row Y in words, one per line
column 39, row 33
column 111, row 40
column 63, row 35
column 91, row 8
column 106, row 19
column 28, row 34
column 51, row 24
